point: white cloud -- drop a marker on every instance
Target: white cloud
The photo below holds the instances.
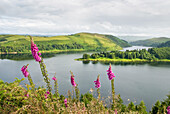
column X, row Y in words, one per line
column 71, row 16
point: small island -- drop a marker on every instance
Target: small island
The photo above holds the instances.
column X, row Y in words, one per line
column 150, row 55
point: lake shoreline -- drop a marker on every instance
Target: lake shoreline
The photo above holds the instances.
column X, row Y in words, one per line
column 50, row 51
column 122, row 60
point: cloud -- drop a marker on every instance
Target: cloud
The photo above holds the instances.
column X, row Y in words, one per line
column 72, row 16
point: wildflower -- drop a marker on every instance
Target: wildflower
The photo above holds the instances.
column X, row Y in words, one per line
column 48, row 92
column 97, row 83
column 65, row 102
column 110, row 76
column 45, row 96
column 72, row 80
column 24, row 71
column 110, row 73
column 115, row 111
column 54, row 78
column 168, row 110
column 27, row 95
column 34, row 50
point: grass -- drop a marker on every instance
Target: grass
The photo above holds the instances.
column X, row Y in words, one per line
column 90, row 41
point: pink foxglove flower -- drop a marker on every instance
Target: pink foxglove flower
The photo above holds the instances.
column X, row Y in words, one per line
column 34, row 50
column 168, row 110
column 115, row 111
column 24, row 71
column 72, row 80
column 48, row 92
column 110, row 73
column 65, row 102
column 97, row 83
column 45, row 96
column 54, row 78
column 26, row 95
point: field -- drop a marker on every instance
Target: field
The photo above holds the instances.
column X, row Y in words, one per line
column 80, row 41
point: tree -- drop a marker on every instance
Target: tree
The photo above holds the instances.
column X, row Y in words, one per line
column 86, row 56
column 112, row 56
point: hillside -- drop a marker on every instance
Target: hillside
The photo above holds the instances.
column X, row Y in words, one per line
column 166, row 44
column 78, row 42
column 154, row 42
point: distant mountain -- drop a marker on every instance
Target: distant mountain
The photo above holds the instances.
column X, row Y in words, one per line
column 154, row 42
column 79, row 41
column 134, row 38
column 166, row 44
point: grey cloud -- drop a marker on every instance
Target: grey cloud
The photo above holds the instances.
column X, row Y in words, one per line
column 70, row 16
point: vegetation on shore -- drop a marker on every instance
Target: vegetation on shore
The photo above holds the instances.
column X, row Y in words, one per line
column 150, row 55
column 75, row 42
column 153, row 42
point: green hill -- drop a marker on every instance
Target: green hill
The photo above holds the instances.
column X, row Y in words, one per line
column 74, row 42
column 166, row 44
column 154, row 42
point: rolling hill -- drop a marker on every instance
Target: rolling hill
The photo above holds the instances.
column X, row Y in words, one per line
column 74, row 42
column 166, row 44
column 154, row 42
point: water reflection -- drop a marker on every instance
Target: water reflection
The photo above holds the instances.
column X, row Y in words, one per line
column 160, row 64
column 86, row 62
column 26, row 56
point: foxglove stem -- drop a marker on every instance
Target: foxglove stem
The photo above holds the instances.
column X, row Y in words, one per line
column 56, row 86
column 36, row 55
column 73, row 83
column 27, row 74
column 98, row 93
column 111, row 77
column 77, row 93
column 73, row 88
column 97, row 83
column 46, row 79
column 113, row 93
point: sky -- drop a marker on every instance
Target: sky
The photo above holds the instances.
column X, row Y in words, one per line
column 57, row 17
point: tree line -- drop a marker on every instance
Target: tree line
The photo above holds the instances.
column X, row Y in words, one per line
column 23, row 48
column 150, row 54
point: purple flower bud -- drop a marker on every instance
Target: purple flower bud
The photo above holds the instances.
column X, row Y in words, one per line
column 65, row 102
column 115, row 111
column 45, row 96
column 34, row 50
column 24, row 71
column 110, row 73
column 168, row 110
column 27, row 95
column 97, row 83
column 48, row 92
column 54, row 78
column 72, row 81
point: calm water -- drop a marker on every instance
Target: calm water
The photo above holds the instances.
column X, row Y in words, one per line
column 135, row 47
column 148, row 82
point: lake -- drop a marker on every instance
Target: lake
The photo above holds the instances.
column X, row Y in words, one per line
column 134, row 82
